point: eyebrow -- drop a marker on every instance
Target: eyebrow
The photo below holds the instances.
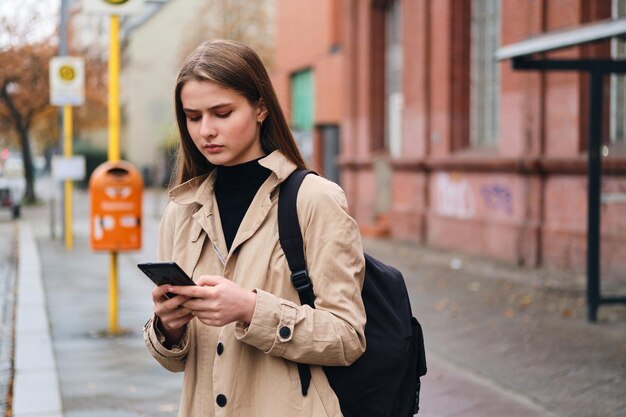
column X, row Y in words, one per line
column 216, row 106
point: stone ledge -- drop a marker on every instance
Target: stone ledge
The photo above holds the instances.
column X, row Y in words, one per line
column 36, row 391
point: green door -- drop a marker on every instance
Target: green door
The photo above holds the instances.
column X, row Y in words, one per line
column 302, row 100
column 303, row 111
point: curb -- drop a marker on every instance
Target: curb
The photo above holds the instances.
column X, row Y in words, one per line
column 36, row 391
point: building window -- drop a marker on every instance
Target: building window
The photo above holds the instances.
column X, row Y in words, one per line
column 303, row 110
column 618, row 83
column 484, row 73
column 394, row 98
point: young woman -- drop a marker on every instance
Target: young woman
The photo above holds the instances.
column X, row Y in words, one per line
column 239, row 334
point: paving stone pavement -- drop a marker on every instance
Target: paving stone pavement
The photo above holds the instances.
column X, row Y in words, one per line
column 102, row 375
column 523, row 330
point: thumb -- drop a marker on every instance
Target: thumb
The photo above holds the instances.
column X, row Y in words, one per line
column 210, row 280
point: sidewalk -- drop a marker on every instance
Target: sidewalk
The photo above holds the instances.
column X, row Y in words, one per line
column 496, row 346
column 96, row 375
column 524, row 331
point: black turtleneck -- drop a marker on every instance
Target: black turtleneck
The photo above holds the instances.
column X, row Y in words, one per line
column 235, row 188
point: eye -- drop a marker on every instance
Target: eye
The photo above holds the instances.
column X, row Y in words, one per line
column 223, row 115
column 193, row 118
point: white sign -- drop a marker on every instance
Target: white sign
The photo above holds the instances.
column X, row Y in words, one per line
column 116, row 7
column 67, row 81
column 68, row 168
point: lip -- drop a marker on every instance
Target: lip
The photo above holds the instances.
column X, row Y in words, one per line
column 213, row 148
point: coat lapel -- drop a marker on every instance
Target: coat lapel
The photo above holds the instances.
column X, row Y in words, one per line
column 262, row 203
column 255, row 215
column 204, row 220
column 197, row 238
column 207, row 218
column 213, row 227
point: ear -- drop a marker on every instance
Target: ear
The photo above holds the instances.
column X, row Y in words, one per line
column 262, row 111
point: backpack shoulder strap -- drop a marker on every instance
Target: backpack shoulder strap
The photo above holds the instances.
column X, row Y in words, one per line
column 290, row 237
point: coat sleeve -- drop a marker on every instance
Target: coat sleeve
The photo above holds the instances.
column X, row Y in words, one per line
column 172, row 359
column 332, row 334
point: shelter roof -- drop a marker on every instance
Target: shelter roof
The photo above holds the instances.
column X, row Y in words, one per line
column 559, row 39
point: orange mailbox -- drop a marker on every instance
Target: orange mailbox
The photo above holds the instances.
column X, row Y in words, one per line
column 116, row 191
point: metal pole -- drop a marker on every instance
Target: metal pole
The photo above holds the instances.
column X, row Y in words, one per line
column 114, row 90
column 63, row 28
column 68, row 189
column 593, row 209
column 114, row 153
column 63, row 47
column 113, row 304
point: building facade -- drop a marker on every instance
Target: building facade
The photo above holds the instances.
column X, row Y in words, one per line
column 308, row 76
column 441, row 144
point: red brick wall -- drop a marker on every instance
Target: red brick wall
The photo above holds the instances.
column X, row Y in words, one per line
column 524, row 201
column 307, row 30
column 521, row 93
column 417, row 50
column 440, row 77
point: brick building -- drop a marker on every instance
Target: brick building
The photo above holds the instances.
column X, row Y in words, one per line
column 436, row 142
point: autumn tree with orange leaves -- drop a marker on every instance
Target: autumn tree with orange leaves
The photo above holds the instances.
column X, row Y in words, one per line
column 25, row 111
column 25, row 101
column 27, row 43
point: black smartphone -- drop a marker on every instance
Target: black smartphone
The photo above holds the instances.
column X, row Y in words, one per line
column 162, row 273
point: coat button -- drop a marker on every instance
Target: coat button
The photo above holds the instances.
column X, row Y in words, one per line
column 220, row 348
column 284, row 332
column 221, row 400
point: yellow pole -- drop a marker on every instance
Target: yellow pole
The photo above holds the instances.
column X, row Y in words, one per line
column 67, row 152
column 114, row 150
column 113, row 328
column 114, row 90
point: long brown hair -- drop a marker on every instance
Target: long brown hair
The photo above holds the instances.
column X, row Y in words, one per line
column 237, row 67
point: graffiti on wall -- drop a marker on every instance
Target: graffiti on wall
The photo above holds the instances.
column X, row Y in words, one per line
column 454, row 197
column 498, row 197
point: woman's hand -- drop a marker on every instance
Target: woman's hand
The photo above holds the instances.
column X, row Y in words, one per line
column 217, row 301
column 172, row 314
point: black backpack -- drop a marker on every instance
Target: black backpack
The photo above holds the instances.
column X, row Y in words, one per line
column 385, row 380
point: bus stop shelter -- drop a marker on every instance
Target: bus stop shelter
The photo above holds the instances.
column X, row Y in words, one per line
column 525, row 56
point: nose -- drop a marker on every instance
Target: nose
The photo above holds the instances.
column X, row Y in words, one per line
column 207, row 128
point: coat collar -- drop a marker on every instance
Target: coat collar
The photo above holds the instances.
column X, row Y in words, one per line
column 198, row 189
column 199, row 192
column 279, row 165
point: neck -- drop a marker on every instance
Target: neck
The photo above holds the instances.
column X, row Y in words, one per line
column 242, row 175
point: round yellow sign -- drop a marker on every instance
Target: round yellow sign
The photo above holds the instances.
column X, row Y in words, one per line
column 67, row 73
column 116, row 2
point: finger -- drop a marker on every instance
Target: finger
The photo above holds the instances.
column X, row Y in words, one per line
column 166, row 306
column 210, row 280
column 176, row 302
column 197, row 304
column 182, row 312
column 158, row 293
column 174, row 315
column 192, row 291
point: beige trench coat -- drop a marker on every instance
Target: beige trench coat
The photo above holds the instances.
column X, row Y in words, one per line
column 246, row 371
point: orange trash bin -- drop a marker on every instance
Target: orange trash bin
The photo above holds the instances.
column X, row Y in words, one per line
column 115, row 190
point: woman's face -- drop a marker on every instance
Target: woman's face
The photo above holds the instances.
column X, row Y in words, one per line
column 222, row 123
